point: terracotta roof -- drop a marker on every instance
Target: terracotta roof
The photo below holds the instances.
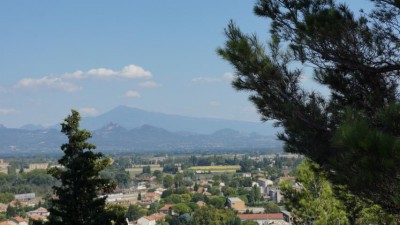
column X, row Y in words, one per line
column 207, row 193
column 5, row 223
column 37, row 217
column 200, row 190
column 275, row 216
column 166, row 207
column 18, row 219
column 41, row 209
column 156, row 216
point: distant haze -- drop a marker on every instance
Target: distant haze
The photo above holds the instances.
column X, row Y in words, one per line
column 129, row 118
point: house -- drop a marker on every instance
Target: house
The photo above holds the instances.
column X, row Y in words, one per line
column 4, row 166
column 274, row 194
column 287, row 216
column 39, row 212
column 3, row 207
column 18, row 221
column 265, row 218
column 236, row 204
column 37, row 218
column 25, row 196
column 262, row 182
column 152, row 219
column 6, row 223
column 37, row 166
column 166, row 209
column 200, row 203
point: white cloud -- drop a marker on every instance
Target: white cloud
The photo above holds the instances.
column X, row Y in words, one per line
column 75, row 75
column 102, row 72
column 204, row 80
column 7, row 111
column 88, row 111
column 149, row 84
column 228, row 76
column 133, row 71
column 63, row 82
column 132, row 94
column 54, row 83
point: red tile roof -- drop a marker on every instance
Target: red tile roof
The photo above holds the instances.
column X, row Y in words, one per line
column 156, row 216
column 5, row 223
column 18, row 219
column 166, row 207
column 271, row 216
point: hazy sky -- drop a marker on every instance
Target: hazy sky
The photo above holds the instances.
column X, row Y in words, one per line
column 96, row 55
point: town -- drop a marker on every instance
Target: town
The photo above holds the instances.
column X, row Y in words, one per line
column 156, row 189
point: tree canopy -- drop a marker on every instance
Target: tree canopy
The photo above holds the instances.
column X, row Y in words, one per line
column 77, row 198
column 352, row 134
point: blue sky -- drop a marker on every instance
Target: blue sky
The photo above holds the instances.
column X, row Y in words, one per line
column 96, row 55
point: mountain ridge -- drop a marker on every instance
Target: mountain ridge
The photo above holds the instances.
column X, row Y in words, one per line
column 130, row 117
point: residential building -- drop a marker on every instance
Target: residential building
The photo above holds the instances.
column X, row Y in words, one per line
column 264, row 219
column 287, row 216
column 262, row 182
column 37, row 166
column 6, row 223
column 166, row 209
column 3, row 207
column 236, row 204
column 4, row 166
column 274, row 194
column 25, row 196
column 18, row 221
column 39, row 212
column 152, row 219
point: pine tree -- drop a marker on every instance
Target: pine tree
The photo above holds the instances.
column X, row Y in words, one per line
column 77, row 200
column 352, row 134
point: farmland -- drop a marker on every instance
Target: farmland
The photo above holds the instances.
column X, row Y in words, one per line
column 215, row 169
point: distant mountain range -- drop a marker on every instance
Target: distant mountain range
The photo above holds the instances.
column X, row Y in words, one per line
column 132, row 118
column 134, row 130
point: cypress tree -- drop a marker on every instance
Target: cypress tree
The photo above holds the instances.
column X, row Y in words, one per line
column 77, row 200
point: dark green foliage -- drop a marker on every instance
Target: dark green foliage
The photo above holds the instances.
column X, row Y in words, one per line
column 316, row 202
column 11, row 211
column 37, row 181
column 181, row 208
column 6, row 197
column 217, row 201
column 147, row 170
column 209, row 215
column 254, row 196
column 117, row 214
column 168, row 181
column 135, row 212
column 353, row 134
column 272, row 207
column 77, row 201
column 246, row 165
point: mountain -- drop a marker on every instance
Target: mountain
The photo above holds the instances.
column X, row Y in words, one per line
column 150, row 138
column 132, row 129
column 32, row 127
column 147, row 138
column 132, row 118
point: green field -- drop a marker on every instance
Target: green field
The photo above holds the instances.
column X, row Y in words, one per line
column 216, row 169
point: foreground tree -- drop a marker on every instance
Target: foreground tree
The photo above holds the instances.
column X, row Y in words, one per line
column 314, row 201
column 77, row 200
column 353, row 134
column 209, row 215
